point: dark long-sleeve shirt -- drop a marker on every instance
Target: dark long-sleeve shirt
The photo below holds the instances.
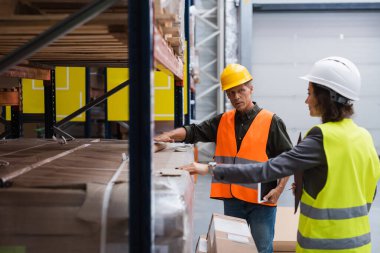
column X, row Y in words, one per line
column 278, row 139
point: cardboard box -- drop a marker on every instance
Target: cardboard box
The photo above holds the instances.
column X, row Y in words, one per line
column 229, row 234
column 201, row 244
column 285, row 237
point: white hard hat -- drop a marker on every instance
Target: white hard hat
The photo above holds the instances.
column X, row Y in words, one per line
column 337, row 74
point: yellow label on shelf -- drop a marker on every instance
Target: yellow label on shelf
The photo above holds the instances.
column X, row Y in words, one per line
column 12, row 249
column 185, row 84
column 163, row 94
column 8, row 113
column 33, row 96
column 70, row 93
column 118, row 104
column 70, row 86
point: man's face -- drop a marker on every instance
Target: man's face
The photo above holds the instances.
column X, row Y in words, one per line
column 240, row 97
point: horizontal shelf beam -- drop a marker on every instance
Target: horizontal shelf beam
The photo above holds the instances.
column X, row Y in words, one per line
column 27, row 72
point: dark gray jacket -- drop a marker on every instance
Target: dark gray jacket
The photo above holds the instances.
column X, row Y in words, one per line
column 308, row 156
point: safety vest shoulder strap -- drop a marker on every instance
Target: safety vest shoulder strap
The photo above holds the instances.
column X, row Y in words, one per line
column 225, row 139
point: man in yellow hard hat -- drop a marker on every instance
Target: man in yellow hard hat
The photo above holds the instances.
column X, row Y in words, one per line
column 337, row 159
column 246, row 134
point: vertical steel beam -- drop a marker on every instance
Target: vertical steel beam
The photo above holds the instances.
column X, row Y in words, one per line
column 187, row 61
column 50, row 106
column 178, row 104
column 213, row 43
column 107, row 132
column 210, row 44
column 16, row 122
column 220, row 99
column 87, row 124
column 5, row 123
column 140, row 28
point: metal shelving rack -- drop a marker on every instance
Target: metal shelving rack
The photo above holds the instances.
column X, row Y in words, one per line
column 145, row 47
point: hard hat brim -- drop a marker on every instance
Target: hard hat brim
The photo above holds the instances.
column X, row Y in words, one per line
column 328, row 85
column 237, row 83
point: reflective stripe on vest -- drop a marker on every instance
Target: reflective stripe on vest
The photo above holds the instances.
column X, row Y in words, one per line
column 252, row 149
column 337, row 219
column 333, row 244
column 334, row 213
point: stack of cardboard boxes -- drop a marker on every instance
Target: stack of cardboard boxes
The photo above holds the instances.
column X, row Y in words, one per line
column 228, row 234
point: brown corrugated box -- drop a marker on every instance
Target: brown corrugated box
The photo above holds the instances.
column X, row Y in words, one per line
column 229, row 234
column 285, row 237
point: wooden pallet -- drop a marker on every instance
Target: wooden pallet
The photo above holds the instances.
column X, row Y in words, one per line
column 168, row 25
column 102, row 39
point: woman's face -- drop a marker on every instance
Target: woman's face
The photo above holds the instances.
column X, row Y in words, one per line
column 311, row 101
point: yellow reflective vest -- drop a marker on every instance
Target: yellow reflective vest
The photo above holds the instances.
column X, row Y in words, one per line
column 337, row 219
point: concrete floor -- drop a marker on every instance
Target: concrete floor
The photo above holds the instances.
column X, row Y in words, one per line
column 204, row 207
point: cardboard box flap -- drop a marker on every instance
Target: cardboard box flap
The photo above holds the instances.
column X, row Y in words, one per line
column 237, row 238
column 228, row 234
column 231, row 227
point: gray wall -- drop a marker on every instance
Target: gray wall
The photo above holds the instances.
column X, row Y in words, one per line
column 312, row 1
column 284, row 46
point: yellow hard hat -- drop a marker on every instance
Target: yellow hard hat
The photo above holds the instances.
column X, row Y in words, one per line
column 234, row 75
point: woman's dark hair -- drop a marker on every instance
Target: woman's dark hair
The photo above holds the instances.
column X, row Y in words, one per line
column 331, row 111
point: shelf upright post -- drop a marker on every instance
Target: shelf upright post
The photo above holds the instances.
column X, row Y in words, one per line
column 178, row 103
column 188, row 116
column 50, row 105
column 87, row 123
column 140, row 41
column 107, row 125
column 16, row 122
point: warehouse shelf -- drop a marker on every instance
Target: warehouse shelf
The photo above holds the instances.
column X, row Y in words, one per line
column 102, row 40
column 39, row 35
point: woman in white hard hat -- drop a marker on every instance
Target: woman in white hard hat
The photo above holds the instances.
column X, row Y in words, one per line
column 338, row 160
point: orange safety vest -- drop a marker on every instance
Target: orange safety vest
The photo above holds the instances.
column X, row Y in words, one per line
column 252, row 149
